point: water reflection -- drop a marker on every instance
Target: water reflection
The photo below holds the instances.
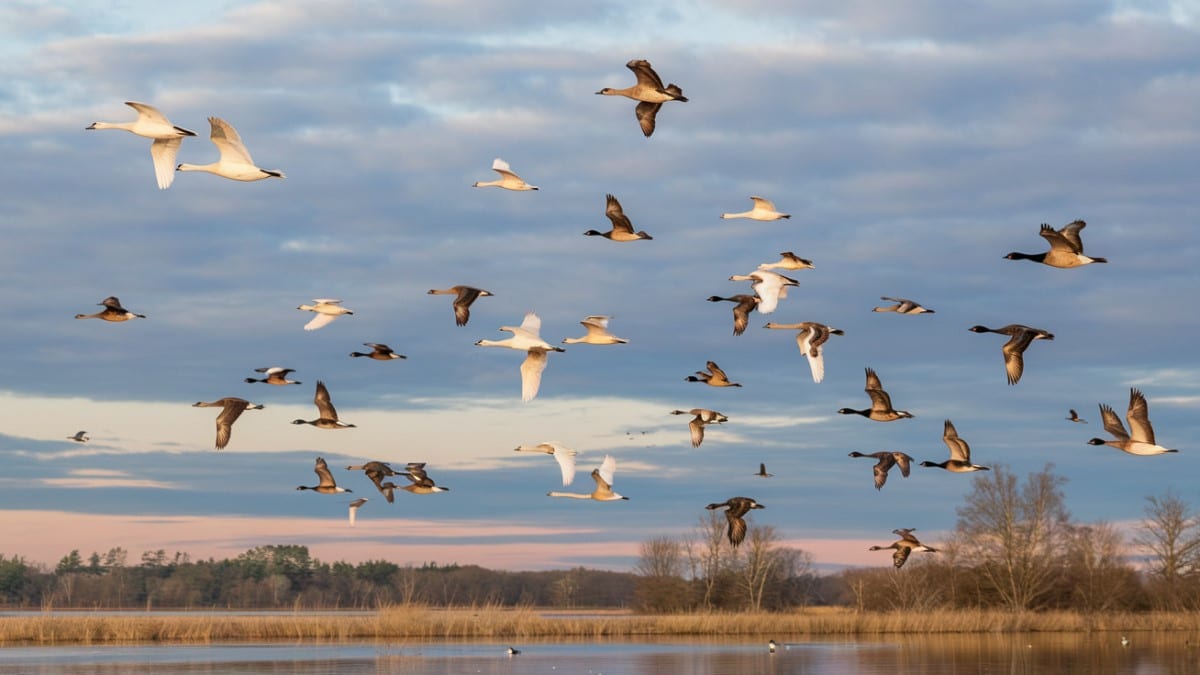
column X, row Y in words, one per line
column 1085, row 654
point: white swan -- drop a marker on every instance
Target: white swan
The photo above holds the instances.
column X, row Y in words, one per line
column 526, row 338
column 604, row 480
column 235, row 161
column 327, row 310
column 152, row 124
column 764, row 209
column 508, row 179
column 561, row 453
column 597, row 333
column 810, row 339
column 770, row 287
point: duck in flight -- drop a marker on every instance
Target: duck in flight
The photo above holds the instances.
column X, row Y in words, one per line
column 649, row 92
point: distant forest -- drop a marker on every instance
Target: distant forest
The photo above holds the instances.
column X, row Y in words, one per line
column 1015, row 546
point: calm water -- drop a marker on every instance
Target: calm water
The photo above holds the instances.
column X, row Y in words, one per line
column 1157, row 654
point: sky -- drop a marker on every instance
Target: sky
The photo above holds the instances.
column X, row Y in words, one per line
column 914, row 145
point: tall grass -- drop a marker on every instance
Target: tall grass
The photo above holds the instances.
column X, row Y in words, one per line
column 416, row 622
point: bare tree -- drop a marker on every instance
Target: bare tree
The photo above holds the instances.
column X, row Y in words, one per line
column 710, row 557
column 661, row 587
column 1171, row 535
column 1098, row 579
column 763, row 559
column 1013, row 533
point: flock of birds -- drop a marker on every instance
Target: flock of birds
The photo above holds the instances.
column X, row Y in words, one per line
column 768, row 287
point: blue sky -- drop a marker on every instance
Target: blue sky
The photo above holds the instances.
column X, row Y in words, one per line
column 913, row 145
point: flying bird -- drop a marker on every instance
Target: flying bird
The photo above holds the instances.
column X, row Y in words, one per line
column 354, row 509
column 1066, row 247
column 231, row 409
column 1019, row 339
column 735, row 510
column 881, row 404
column 960, row 453
column 419, row 481
column 603, row 476
column 810, row 339
column 561, row 454
column 463, row 297
column 904, row 547
column 902, row 306
column 597, row 333
column 742, row 306
column 762, row 471
column 764, row 209
column 113, row 311
column 325, row 483
column 235, row 161
column 327, row 309
column 377, row 471
column 788, row 261
column 527, row 338
column 622, row 228
column 379, row 352
column 701, row 417
column 714, row 377
column 1140, row 439
column 508, row 179
column 327, row 417
column 649, row 91
column 770, row 287
column 885, row 461
column 275, row 375
column 79, row 437
column 166, row 137
column 1074, row 417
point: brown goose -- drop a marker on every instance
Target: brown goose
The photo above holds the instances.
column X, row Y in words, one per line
column 1019, row 338
column 904, row 547
column 960, row 453
column 463, row 297
column 79, row 437
column 743, row 305
column 327, row 417
column 275, row 375
column 702, row 416
column 886, row 460
column 1074, row 417
column 325, row 483
column 715, row 377
column 903, row 306
column 379, row 352
column 622, row 228
column 881, row 404
column 809, row 339
column 1140, row 439
column 1066, row 248
column 377, row 471
column 113, row 311
column 419, row 481
column 735, row 509
column 762, row 471
column 648, row 91
column 231, row 408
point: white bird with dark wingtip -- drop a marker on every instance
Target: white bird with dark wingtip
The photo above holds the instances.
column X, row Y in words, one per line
column 508, row 179
column 764, row 209
column 561, row 454
column 788, row 261
column 235, row 161
column 604, row 480
column 327, row 309
column 770, row 287
column 597, row 333
column 167, row 137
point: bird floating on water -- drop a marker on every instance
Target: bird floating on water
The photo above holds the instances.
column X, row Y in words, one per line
column 166, row 137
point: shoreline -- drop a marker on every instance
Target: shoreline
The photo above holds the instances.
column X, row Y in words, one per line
column 77, row 627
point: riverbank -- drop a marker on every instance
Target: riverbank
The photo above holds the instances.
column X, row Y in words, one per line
column 48, row 628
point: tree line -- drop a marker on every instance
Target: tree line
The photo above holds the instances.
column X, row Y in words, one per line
column 1015, row 546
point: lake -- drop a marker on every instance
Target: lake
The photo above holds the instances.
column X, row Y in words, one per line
column 1085, row 654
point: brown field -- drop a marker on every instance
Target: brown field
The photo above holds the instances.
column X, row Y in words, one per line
column 412, row 622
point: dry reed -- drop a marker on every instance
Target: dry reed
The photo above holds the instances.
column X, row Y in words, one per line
column 417, row 622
